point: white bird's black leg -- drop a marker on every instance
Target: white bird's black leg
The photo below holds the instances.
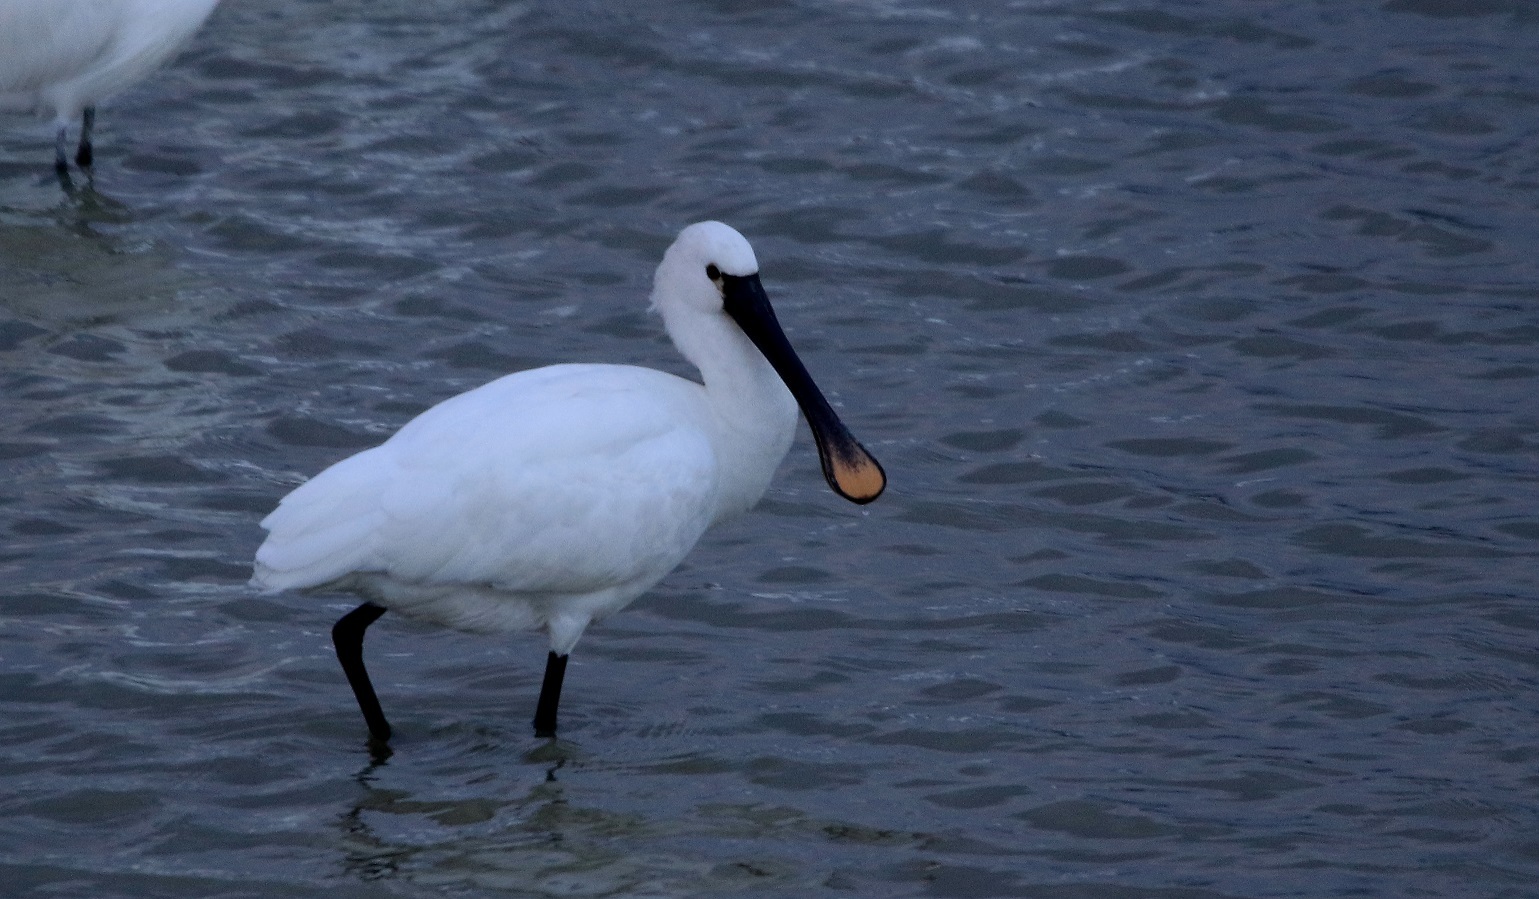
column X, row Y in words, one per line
column 83, row 155
column 61, row 158
column 347, row 637
column 550, row 696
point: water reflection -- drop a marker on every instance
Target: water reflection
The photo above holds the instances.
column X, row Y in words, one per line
column 70, row 274
column 1199, row 339
column 536, row 837
column 548, row 838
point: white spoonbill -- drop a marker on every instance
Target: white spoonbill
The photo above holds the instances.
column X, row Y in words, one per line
column 66, row 56
column 553, row 497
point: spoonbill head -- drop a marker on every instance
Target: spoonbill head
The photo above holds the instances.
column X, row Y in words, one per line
column 553, row 497
column 66, row 56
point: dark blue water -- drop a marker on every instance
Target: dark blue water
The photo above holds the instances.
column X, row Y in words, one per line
column 1198, row 340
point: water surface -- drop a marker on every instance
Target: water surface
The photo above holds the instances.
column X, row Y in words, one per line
column 1198, row 340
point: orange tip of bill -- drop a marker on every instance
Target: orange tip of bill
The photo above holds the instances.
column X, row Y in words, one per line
column 859, row 479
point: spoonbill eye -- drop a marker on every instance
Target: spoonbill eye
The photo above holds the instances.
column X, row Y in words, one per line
column 712, row 272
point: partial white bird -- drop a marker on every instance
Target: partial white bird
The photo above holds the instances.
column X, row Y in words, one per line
column 553, row 497
column 66, row 56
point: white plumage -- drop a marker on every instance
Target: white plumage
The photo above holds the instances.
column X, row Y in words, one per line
column 65, row 56
column 480, row 513
column 554, row 497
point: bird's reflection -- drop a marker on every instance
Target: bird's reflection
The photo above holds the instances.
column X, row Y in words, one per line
column 443, row 833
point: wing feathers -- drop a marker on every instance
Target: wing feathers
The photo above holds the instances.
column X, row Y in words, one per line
column 570, row 479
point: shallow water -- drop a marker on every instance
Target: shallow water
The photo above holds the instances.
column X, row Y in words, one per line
column 1198, row 340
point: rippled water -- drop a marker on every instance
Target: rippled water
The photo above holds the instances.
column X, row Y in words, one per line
column 1198, row 339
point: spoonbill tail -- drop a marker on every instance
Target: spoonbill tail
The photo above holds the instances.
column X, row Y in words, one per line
column 553, row 497
column 66, row 56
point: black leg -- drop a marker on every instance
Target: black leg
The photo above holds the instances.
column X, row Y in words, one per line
column 87, row 122
column 347, row 637
column 550, row 696
column 61, row 159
